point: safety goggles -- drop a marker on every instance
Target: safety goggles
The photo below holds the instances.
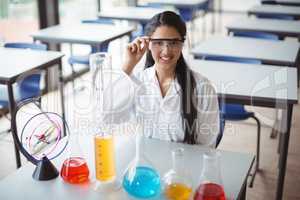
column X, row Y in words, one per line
column 160, row 43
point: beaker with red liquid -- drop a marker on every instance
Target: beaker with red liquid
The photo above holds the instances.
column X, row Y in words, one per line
column 210, row 185
column 75, row 170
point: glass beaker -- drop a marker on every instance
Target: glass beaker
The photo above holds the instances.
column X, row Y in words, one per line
column 211, row 185
column 141, row 180
column 177, row 183
column 74, row 169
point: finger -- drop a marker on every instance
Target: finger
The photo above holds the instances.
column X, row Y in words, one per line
column 143, row 43
column 147, row 40
column 146, row 44
column 132, row 47
column 139, row 43
column 145, row 37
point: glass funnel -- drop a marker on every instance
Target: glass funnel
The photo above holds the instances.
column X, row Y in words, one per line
column 141, row 180
column 210, row 183
column 177, row 185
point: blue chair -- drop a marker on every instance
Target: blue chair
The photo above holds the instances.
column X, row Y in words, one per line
column 27, row 88
column 30, row 85
column 84, row 60
column 141, row 29
column 269, row 2
column 254, row 34
column 222, row 126
column 237, row 112
column 187, row 14
column 275, row 16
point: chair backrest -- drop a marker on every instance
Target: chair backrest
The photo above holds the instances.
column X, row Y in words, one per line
column 223, row 107
column 275, row 16
column 22, row 45
column 150, row 5
column 258, row 35
column 232, row 59
column 30, row 85
column 221, row 131
column 104, row 47
column 98, row 21
column 269, row 2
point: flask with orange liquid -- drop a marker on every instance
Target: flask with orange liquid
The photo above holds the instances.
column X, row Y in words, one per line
column 211, row 186
column 177, row 183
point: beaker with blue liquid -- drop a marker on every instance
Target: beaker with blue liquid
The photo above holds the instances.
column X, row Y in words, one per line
column 141, row 180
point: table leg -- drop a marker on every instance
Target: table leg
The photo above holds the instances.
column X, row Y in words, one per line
column 213, row 17
column 242, row 195
column 219, row 15
column 13, row 122
column 284, row 152
column 203, row 27
column 61, row 89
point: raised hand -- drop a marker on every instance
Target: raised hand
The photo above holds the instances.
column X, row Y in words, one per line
column 134, row 52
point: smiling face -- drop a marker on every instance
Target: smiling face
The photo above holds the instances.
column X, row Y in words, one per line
column 165, row 52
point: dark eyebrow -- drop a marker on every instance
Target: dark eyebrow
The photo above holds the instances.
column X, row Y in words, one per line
column 166, row 39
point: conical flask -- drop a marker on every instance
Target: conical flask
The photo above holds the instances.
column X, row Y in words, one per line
column 74, row 169
column 103, row 136
column 177, row 184
column 210, row 184
column 141, row 180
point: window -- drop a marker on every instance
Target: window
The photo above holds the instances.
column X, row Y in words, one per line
column 18, row 19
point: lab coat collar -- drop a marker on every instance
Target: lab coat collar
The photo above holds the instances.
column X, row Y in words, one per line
column 174, row 89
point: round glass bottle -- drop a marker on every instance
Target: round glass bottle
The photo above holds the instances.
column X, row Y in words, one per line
column 141, row 180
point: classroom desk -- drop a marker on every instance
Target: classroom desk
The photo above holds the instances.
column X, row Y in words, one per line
column 192, row 5
column 284, row 2
column 275, row 10
column 95, row 35
column 282, row 53
column 24, row 187
column 136, row 14
column 282, row 28
column 257, row 85
column 16, row 63
column 90, row 34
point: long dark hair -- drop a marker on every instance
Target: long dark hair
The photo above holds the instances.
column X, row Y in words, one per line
column 182, row 71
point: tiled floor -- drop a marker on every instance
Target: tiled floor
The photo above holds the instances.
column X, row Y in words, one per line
column 239, row 137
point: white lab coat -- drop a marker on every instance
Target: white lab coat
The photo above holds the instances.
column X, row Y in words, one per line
column 138, row 97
